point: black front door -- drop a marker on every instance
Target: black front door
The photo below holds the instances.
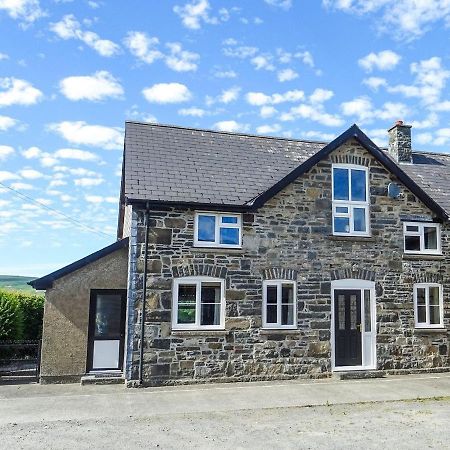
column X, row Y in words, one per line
column 106, row 330
column 347, row 327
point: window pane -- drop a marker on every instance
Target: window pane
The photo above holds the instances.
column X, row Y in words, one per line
column 341, row 225
column 206, row 228
column 435, row 316
column 340, row 184
column 272, row 294
column 229, row 236
column 210, row 304
column 420, row 296
column 434, row 295
column 287, row 293
column 358, row 185
column 412, row 243
column 367, row 315
column 359, row 217
column 413, row 228
column 342, row 210
column 229, row 219
column 421, row 314
column 108, row 315
column 186, row 304
column 430, row 235
column 287, row 314
column 271, row 314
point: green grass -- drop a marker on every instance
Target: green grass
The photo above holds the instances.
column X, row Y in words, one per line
column 16, row 282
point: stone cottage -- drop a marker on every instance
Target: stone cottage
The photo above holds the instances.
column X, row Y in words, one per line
column 244, row 257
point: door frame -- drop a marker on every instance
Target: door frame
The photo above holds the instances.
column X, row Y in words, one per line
column 91, row 329
column 356, row 285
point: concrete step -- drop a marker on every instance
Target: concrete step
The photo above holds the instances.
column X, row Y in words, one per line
column 360, row 374
column 102, row 378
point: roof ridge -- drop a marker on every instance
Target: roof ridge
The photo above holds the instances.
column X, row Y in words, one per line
column 231, row 133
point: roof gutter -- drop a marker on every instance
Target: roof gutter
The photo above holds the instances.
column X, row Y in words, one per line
column 144, row 299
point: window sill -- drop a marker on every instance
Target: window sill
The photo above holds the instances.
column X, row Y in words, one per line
column 355, row 238
column 218, row 249
column 279, row 331
column 199, row 332
column 431, row 330
column 422, row 256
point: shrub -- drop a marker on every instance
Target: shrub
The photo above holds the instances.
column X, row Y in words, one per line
column 20, row 315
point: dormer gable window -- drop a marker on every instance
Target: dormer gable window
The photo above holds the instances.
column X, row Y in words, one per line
column 218, row 230
column 350, row 200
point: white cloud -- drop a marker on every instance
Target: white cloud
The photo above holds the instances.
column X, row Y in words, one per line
column 80, row 132
column 7, row 122
column 5, row 152
column 432, row 120
column 384, row 60
column 229, row 95
column 32, row 152
column 3, row 56
column 70, row 28
column 404, row 19
column 374, row 82
column 320, row 95
column 73, row 153
column 25, row 10
column 430, row 80
column 225, row 74
column 22, row 186
column 268, row 129
column 143, row 47
column 100, row 199
column 438, row 138
column 31, row 174
column 318, row 135
column 87, row 182
column 306, row 57
column 263, row 62
column 260, row 99
column 314, row 113
column 18, row 92
column 363, row 110
column 287, row 75
column 181, row 60
column 6, row 175
column 284, row 4
column 167, row 93
column 193, row 112
column 267, row 111
column 241, row 52
column 94, row 87
column 196, row 12
column 231, row 126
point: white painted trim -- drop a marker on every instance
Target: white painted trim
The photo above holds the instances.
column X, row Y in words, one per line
column 359, row 285
column 421, row 234
column 427, row 325
column 197, row 281
column 218, row 226
column 351, row 204
column 278, row 325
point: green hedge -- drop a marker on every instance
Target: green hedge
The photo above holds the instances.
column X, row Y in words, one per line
column 20, row 315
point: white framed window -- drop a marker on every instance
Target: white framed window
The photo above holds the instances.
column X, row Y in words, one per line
column 428, row 305
column 198, row 303
column 279, row 304
column 422, row 237
column 350, row 186
column 218, row 230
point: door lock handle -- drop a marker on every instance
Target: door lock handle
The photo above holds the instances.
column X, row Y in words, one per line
column 359, row 327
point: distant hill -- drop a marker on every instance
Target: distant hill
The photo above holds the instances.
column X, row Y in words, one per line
column 16, row 282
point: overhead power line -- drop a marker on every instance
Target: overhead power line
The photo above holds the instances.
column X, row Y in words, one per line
column 67, row 217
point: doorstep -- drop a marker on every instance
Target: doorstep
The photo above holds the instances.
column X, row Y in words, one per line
column 359, row 374
column 103, row 378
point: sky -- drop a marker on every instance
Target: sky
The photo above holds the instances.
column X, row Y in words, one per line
column 72, row 72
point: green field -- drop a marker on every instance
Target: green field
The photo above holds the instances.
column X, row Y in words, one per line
column 16, row 282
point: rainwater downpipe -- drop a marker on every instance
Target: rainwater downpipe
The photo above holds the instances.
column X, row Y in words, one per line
column 144, row 295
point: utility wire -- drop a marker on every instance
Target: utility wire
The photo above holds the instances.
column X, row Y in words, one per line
column 42, row 205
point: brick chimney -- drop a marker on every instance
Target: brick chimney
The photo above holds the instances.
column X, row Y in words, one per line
column 400, row 142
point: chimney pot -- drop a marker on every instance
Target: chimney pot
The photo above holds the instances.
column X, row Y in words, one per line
column 400, row 142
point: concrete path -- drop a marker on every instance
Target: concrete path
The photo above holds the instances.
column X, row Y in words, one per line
column 34, row 403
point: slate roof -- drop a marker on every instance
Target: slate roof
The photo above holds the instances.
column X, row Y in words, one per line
column 172, row 164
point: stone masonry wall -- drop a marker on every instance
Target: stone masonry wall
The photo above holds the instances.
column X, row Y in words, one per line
column 289, row 237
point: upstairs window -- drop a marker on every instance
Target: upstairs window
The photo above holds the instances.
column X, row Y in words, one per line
column 424, row 238
column 428, row 305
column 279, row 304
column 218, row 230
column 350, row 200
column 198, row 303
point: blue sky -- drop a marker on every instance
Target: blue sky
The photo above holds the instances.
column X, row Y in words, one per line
column 71, row 73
